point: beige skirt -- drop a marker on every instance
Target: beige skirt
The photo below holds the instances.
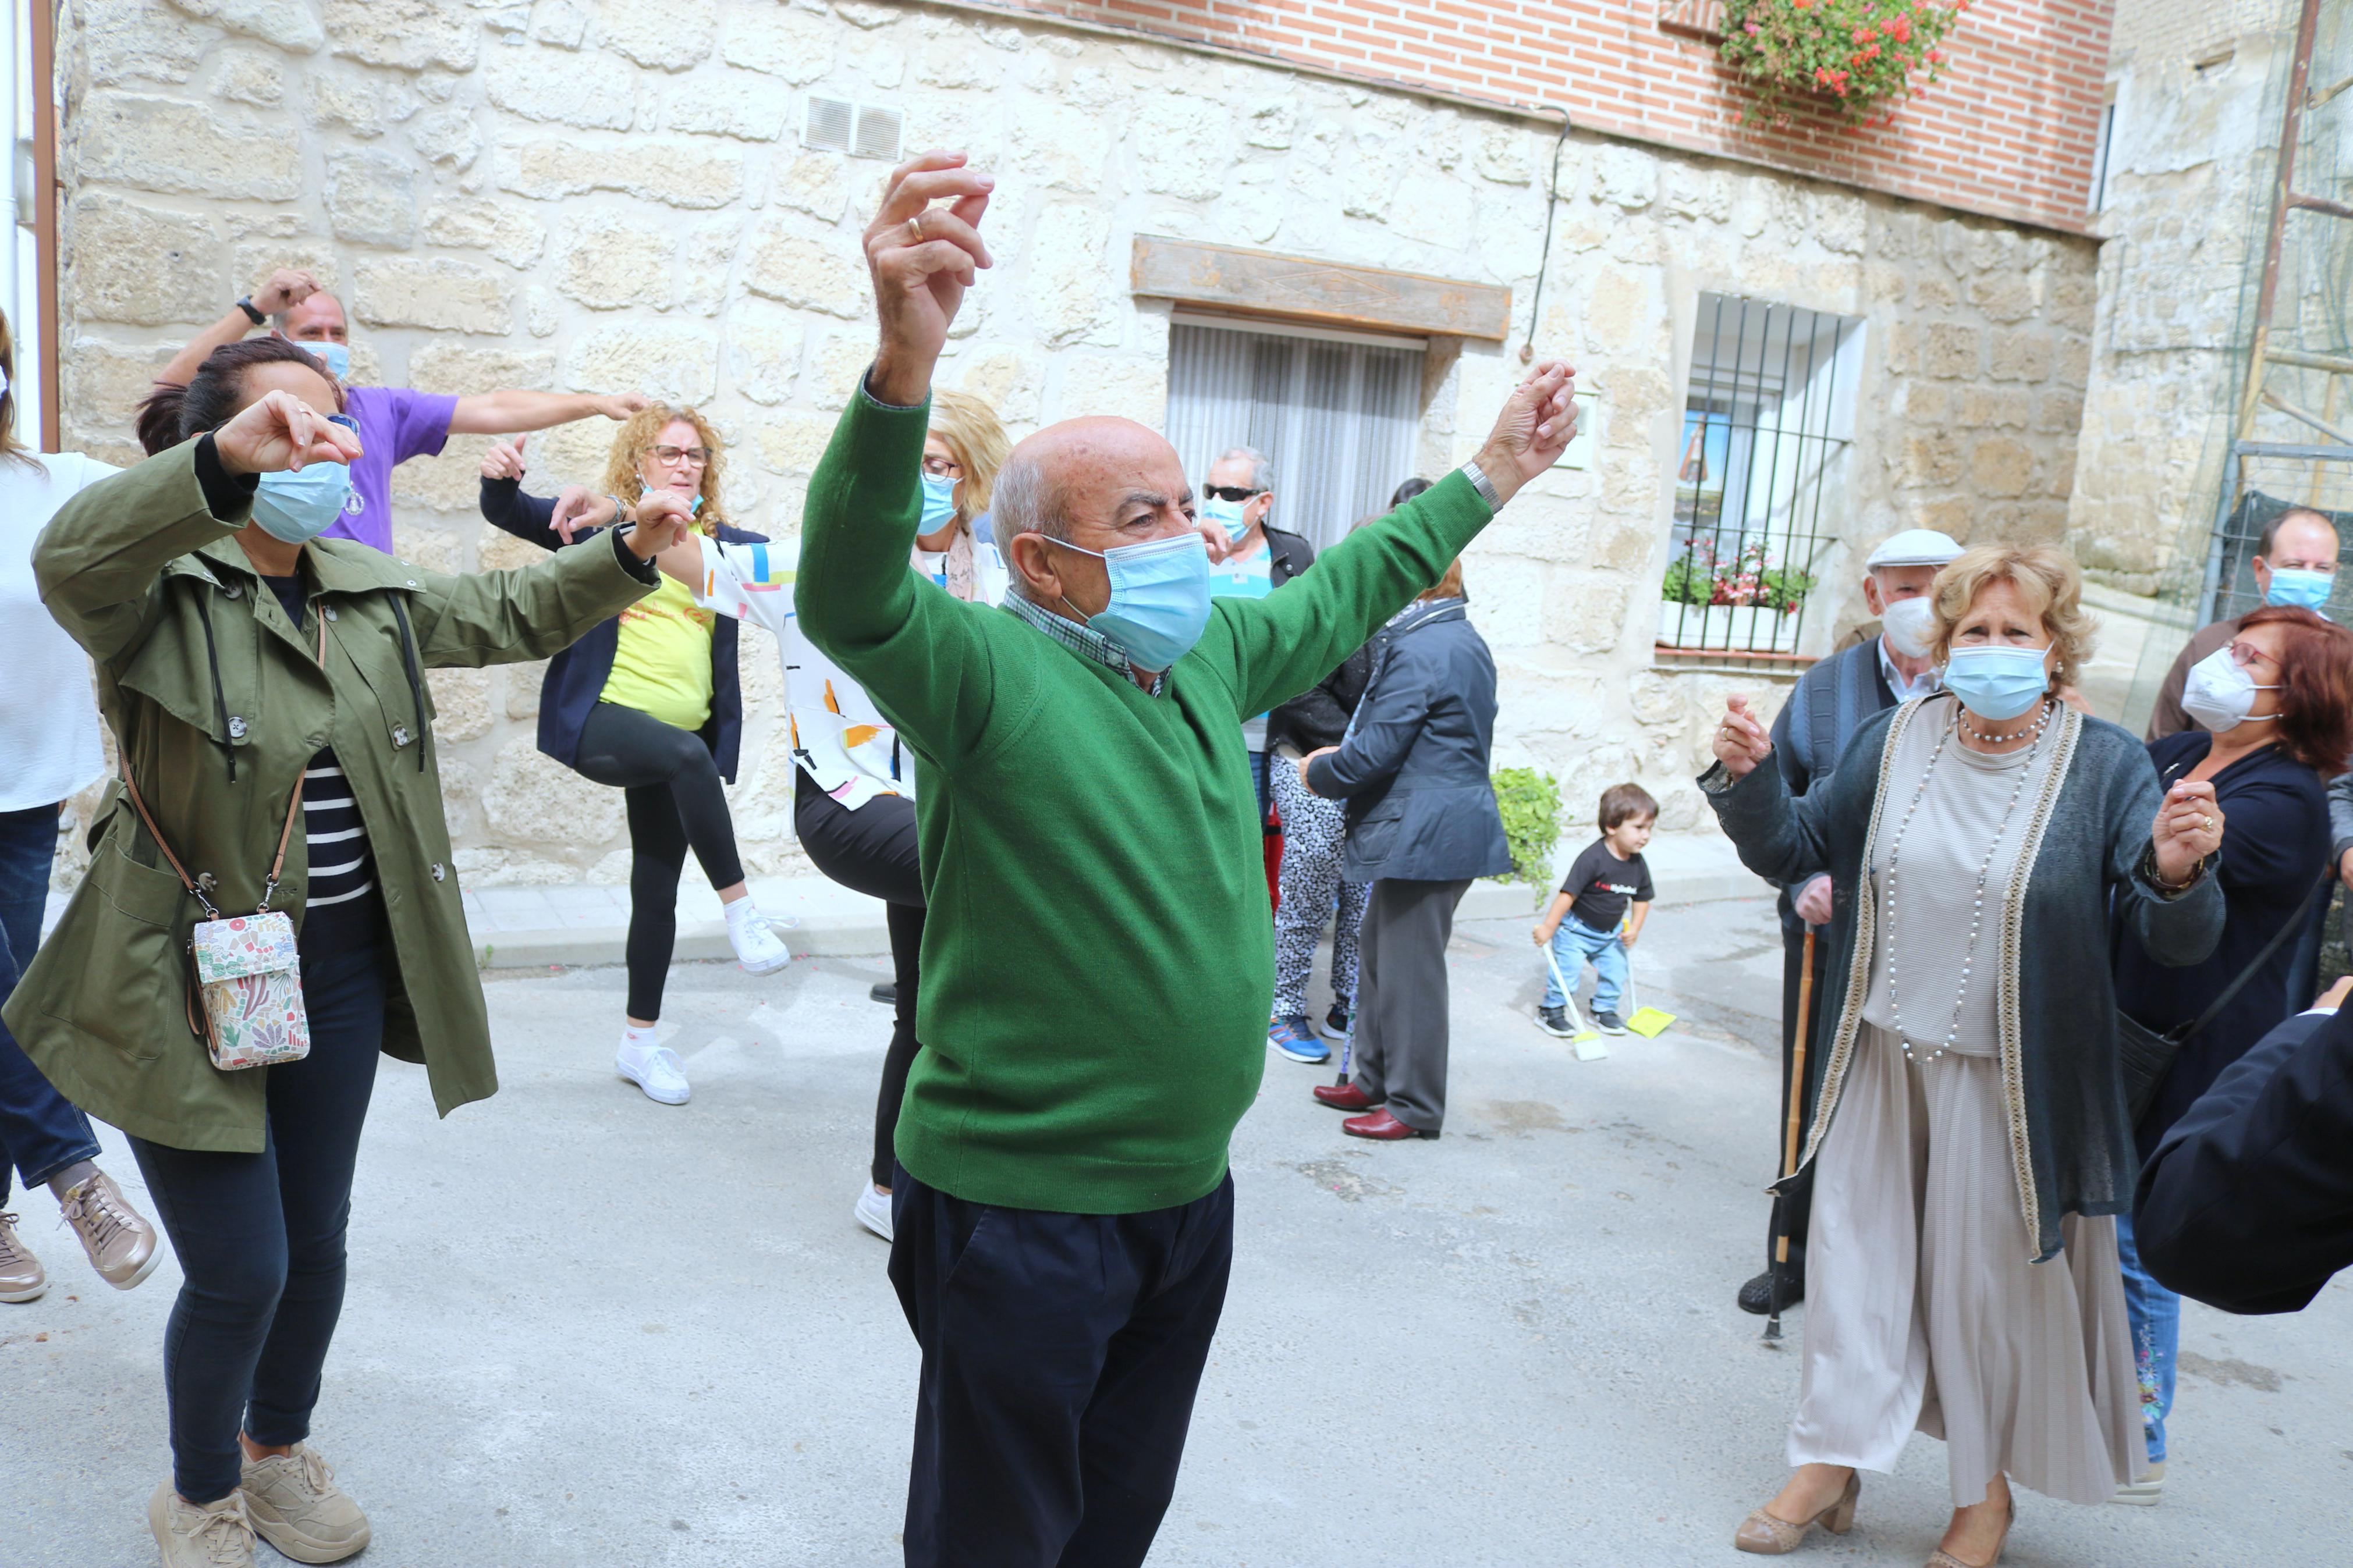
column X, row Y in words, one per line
column 1923, row 1311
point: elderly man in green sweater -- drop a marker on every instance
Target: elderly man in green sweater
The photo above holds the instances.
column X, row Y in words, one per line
column 1098, row 960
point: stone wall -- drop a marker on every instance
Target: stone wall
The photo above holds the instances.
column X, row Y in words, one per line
column 606, row 196
column 2182, row 210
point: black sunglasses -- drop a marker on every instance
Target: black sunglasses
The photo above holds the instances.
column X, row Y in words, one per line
column 1230, row 492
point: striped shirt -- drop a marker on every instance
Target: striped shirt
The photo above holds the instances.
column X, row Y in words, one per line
column 342, row 872
column 1083, row 640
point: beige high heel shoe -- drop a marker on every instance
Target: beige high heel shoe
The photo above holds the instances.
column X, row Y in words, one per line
column 1944, row 1559
column 1767, row 1536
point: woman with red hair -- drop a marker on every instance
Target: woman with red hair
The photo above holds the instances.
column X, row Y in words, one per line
column 2277, row 707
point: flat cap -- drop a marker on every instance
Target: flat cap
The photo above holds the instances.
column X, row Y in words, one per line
column 1915, row 547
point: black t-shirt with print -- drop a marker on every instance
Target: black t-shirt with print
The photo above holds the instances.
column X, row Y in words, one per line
column 1600, row 885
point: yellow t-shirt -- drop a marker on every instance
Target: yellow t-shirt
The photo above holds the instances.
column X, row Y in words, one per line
column 663, row 666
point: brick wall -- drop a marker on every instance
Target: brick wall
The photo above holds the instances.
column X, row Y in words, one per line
column 2008, row 132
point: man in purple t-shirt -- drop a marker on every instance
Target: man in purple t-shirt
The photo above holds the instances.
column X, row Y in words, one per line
column 397, row 423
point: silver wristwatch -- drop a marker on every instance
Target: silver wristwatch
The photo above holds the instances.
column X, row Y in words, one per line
column 1484, row 486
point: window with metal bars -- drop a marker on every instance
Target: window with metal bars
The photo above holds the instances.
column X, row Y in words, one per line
column 1768, row 420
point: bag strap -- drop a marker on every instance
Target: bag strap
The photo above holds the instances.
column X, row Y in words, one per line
column 285, row 832
column 2287, row 929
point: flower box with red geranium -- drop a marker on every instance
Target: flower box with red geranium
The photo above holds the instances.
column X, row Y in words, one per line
column 1861, row 57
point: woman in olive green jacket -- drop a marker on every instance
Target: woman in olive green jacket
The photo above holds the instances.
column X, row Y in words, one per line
column 236, row 655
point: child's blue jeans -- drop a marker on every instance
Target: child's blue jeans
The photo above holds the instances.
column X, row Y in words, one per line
column 1573, row 944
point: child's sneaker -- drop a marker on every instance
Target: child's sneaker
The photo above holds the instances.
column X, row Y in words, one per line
column 1555, row 1021
column 1609, row 1023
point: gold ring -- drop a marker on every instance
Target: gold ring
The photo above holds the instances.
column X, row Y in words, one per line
column 915, row 229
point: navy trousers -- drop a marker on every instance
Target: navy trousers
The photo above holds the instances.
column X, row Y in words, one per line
column 40, row 1132
column 1062, row 1353
column 261, row 1236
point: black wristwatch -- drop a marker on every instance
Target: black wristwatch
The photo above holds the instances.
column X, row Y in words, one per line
column 256, row 317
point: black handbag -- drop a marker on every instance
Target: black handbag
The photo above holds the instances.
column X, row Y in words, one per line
column 2145, row 1056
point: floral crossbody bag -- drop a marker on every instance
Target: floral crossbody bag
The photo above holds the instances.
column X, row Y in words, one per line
column 245, row 985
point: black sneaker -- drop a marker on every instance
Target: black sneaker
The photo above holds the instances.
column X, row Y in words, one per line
column 1757, row 1295
column 1337, row 1022
column 1609, row 1023
column 887, row 994
column 1555, row 1021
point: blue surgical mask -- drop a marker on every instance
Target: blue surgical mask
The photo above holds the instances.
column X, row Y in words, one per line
column 338, row 357
column 1226, row 515
column 299, row 506
column 939, row 503
column 1997, row 683
column 1159, row 597
column 2297, row 589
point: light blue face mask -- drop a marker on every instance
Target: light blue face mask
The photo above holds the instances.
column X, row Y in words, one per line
column 299, row 506
column 1159, row 597
column 338, row 357
column 939, row 503
column 2296, row 589
column 1997, row 683
column 1226, row 515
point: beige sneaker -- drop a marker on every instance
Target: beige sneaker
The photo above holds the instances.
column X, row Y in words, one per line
column 121, row 1244
column 22, row 1278
column 216, row 1535
column 298, row 1508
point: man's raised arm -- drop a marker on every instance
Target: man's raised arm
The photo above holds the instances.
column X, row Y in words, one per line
column 856, row 599
column 1288, row 641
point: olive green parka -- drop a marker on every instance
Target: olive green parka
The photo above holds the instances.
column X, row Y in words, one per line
column 218, row 703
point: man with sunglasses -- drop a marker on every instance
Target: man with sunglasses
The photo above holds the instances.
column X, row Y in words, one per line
column 1258, row 559
column 396, row 423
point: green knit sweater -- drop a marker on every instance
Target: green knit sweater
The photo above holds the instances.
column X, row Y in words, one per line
column 1098, row 958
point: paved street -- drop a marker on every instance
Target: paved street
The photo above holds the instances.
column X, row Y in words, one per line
column 585, row 1329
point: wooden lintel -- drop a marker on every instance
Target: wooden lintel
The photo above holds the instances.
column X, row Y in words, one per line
column 1304, row 288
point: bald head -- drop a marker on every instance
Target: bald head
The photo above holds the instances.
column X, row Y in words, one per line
column 318, row 319
column 1095, row 483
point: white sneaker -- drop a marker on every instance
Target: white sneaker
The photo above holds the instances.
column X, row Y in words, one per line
column 758, row 949
column 872, row 1210
column 654, row 1068
column 2146, row 1492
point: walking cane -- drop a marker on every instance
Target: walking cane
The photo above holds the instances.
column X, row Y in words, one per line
column 1789, row 1138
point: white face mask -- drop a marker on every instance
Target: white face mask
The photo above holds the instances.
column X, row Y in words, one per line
column 2218, row 694
column 1910, row 625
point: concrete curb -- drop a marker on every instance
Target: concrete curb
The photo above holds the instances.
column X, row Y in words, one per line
column 580, row 925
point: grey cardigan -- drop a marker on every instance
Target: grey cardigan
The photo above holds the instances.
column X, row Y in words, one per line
column 2087, row 851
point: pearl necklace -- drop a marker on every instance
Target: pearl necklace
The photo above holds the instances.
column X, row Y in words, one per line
column 1985, row 867
column 2030, row 734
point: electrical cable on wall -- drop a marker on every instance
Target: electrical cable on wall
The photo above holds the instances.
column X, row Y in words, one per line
column 1552, row 200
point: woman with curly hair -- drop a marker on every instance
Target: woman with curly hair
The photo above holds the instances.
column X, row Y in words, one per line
column 1971, row 1146
column 2274, row 714
column 648, row 702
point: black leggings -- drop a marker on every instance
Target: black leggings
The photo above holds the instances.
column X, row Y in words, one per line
column 675, row 799
column 261, row 1236
column 871, row 851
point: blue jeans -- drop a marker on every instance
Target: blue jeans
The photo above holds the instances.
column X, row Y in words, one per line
column 40, row 1132
column 2156, row 1314
column 1572, row 946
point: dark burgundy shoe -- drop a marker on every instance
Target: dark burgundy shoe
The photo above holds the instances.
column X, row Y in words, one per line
column 1342, row 1096
column 1382, row 1125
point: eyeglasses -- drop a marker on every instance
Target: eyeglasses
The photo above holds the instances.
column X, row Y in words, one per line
column 699, row 456
column 1230, row 492
column 2243, row 654
column 943, row 467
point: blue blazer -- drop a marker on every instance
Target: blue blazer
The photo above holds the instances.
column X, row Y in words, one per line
column 1413, row 768
column 577, row 676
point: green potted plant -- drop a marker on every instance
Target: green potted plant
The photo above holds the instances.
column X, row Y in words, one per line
column 1860, row 58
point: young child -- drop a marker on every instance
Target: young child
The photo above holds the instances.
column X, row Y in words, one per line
column 1583, row 921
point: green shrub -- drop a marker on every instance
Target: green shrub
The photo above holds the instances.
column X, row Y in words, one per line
column 1530, row 802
